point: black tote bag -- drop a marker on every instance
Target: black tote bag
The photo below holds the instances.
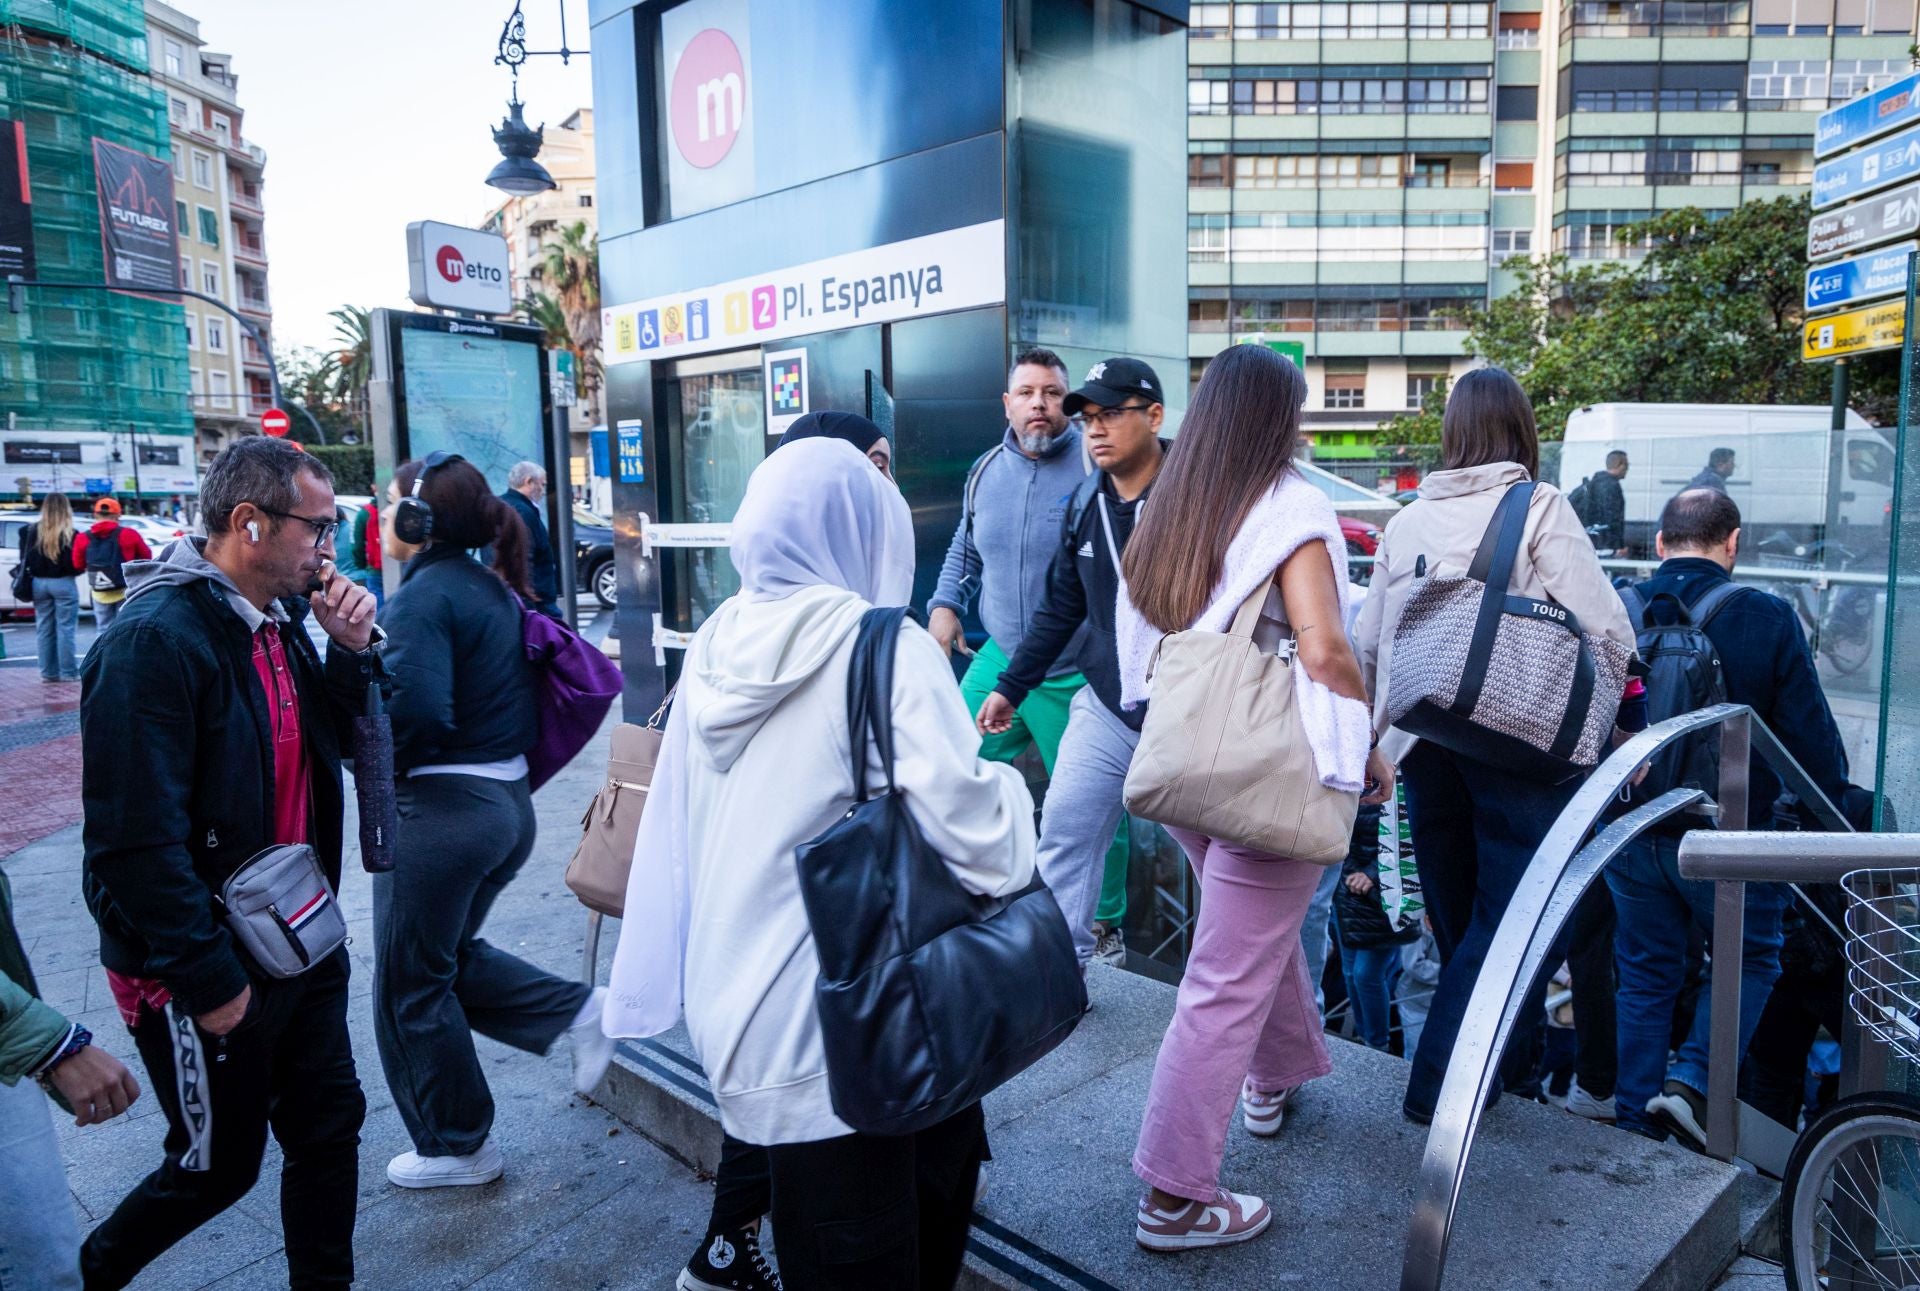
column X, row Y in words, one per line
column 930, row 996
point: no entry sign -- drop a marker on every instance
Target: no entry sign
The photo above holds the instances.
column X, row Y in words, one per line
column 275, row 422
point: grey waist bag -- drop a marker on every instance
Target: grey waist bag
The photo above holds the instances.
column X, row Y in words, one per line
column 278, row 906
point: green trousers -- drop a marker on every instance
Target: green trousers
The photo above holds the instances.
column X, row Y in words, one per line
column 1041, row 720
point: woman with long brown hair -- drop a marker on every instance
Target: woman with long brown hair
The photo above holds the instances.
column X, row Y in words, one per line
column 1230, row 516
column 46, row 552
column 465, row 712
column 1475, row 826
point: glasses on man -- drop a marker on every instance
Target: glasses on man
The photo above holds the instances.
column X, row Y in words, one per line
column 323, row 530
column 1107, row 418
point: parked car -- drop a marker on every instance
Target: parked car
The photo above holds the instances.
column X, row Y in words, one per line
column 1363, row 536
column 11, row 525
column 157, row 532
column 593, row 556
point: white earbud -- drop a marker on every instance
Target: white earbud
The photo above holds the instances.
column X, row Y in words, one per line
column 253, row 530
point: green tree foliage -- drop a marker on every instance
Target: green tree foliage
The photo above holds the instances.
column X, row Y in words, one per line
column 352, row 358
column 1710, row 314
column 351, row 464
column 307, row 379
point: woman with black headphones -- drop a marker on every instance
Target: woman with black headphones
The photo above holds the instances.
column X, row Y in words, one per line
column 464, row 713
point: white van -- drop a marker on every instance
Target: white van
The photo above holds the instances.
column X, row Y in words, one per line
column 1781, row 459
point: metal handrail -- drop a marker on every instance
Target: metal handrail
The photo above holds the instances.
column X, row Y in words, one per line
column 1541, row 906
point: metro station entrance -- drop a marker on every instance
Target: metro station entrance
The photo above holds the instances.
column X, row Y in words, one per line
column 714, row 419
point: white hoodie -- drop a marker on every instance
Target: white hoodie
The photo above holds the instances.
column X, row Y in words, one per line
column 757, row 762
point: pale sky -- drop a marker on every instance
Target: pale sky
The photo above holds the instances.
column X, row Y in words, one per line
column 376, row 113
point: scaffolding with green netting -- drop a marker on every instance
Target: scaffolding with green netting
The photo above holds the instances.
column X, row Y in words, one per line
column 73, row 71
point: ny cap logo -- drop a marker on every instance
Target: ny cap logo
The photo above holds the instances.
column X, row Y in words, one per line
column 1097, row 371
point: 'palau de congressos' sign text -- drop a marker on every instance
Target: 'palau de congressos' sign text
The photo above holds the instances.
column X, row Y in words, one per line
column 1872, row 274
column 1880, row 218
column 1877, row 327
column 958, row 269
column 1887, row 108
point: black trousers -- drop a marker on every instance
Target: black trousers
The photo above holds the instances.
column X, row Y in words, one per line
column 877, row 1213
column 288, row 1068
column 1774, row 1077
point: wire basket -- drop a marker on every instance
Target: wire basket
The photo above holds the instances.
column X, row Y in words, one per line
column 1883, row 955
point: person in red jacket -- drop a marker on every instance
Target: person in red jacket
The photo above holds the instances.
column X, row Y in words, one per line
column 105, row 569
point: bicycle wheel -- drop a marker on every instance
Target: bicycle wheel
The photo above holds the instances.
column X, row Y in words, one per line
column 1847, row 654
column 1851, row 1200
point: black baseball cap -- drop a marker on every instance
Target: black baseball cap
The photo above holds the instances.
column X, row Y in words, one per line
column 1111, row 382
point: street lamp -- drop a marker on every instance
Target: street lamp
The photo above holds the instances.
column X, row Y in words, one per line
column 518, row 173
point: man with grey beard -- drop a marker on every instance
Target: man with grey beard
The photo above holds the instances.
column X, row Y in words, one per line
column 1013, row 511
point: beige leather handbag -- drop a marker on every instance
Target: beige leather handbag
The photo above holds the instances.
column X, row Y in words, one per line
column 597, row 874
column 1224, row 752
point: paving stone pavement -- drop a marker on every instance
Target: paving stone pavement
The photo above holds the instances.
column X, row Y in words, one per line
column 586, row 1202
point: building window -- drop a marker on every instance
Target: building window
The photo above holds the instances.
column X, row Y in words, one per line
column 1346, row 171
column 1698, row 100
column 1787, row 85
column 1446, row 21
column 202, row 169
column 186, row 273
column 1517, row 103
column 1503, row 244
column 1429, row 172
column 1853, row 77
column 179, row 217
column 1513, row 177
column 1206, row 315
column 176, row 57
column 1272, row 316
column 220, row 389
column 1208, row 97
column 1345, row 390
column 1420, row 385
column 177, row 110
column 1614, row 17
column 179, row 166
column 222, row 128
column 1606, row 169
column 586, row 199
column 1519, row 31
column 1207, row 170
column 190, row 337
column 1696, row 166
column 216, row 335
column 1613, row 100
column 1595, row 235
column 210, row 278
column 1210, row 21
column 194, row 388
column 209, row 226
column 1206, row 239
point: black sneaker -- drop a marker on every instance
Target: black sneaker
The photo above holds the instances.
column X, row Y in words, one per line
column 1682, row 1109
column 1109, row 945
column 729, row 1262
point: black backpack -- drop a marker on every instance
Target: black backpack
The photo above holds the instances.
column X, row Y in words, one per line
column 1683, row 675
column 1580, row 499
column 103, row 562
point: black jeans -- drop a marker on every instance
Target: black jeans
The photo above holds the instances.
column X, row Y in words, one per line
column 866, row 1212
column 462, row 839
column 1475, row 829
column 1774, row 1079
column 287, row 1067
column 742, row 1186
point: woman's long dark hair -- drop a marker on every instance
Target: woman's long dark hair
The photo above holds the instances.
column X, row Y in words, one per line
column 1239, row 436
column 1489, row 420
column 467, row 514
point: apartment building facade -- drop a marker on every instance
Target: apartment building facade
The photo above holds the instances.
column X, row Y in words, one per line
column 218, row 180
column 1358, row 171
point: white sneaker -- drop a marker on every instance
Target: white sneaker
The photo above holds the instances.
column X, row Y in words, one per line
column 411, row 1170
column 1585, row 1105
column 592, row 1047
column 1264, row 1113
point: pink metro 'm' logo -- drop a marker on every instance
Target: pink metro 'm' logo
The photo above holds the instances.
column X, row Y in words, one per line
column 708, row 104
column 450, row 264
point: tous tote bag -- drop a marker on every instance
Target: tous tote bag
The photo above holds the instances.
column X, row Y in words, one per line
column 930, row 996
column 1551, row 715
column 1224, row 752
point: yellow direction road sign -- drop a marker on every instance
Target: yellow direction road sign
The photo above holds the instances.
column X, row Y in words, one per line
column 1877, row 327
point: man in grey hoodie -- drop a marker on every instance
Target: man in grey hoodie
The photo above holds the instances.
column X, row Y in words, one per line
column 1011, row 523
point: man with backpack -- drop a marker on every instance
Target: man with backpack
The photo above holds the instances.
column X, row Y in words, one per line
column 1601, row 504
column 1012, row 507
column 103, row 552
column 1122, row 409
column 1705, row 641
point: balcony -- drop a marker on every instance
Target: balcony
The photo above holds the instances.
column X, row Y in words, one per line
column 256, row 305
column 246, row 205
column 250, row 253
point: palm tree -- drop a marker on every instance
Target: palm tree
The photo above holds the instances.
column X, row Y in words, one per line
column 571, row 269
column 545, row 313
column 352, row 361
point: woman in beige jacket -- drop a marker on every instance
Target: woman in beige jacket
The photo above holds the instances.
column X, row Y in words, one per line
column 1475, row 827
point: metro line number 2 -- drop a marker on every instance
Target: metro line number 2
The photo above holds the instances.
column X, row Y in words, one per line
column 764, row 304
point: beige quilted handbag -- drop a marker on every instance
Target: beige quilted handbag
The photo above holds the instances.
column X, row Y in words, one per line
column 598, row 872
column 1224, row 752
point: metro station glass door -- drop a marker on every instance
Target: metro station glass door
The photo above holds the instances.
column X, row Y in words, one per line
column 717, row 421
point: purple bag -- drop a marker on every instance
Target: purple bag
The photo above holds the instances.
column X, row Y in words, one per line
column 578, row 684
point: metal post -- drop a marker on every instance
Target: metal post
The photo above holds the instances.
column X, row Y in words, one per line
column 565, row 558
column 590, row 961
column 133, row 448
column 1729, row 936
column 1837, row 450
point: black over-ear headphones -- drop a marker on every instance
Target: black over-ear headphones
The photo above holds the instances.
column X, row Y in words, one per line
column 412, row 516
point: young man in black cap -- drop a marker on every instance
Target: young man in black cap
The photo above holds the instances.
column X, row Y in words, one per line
column 1122, row 410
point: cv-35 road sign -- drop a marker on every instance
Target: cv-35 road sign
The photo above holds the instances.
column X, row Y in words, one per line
column 1883, row 217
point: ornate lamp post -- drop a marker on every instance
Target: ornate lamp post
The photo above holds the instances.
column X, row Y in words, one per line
column 518, row 173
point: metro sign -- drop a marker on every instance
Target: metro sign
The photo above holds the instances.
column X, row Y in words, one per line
column 708, row 102
column 450, row 267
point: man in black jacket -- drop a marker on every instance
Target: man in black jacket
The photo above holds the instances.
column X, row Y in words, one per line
column 1604, row 509
column 1766, row 665
column 1122, row 409
column 526, row 490
column 240, row 729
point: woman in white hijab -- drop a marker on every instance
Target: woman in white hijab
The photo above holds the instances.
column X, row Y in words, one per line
column 755, row 763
